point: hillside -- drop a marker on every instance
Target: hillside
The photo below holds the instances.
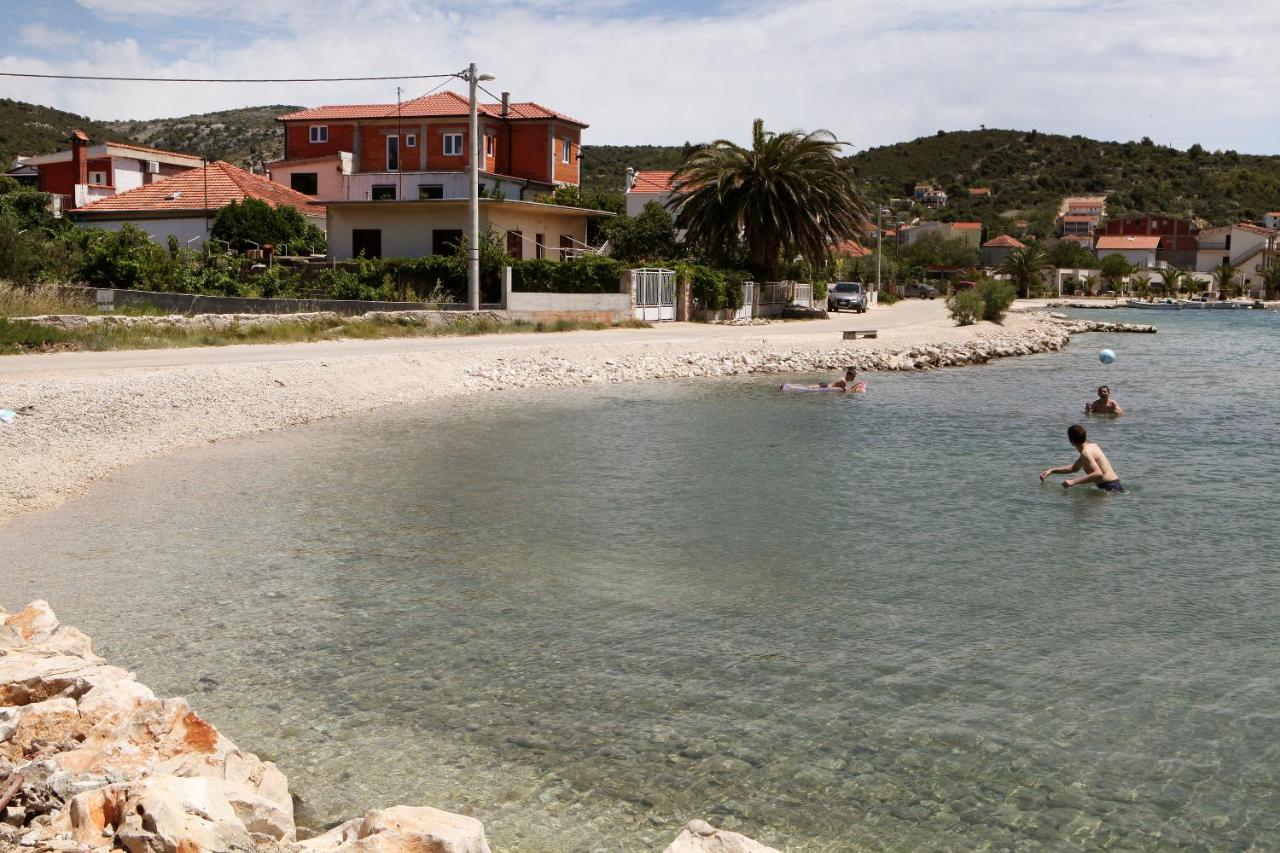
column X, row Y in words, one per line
column 604, row 167
column 1029, row 173
column 245, row 136
column 33, row 129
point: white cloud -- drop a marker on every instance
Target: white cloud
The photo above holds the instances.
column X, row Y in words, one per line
column 873, row 72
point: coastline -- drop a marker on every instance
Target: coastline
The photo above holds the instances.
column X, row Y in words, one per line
column 82, row 418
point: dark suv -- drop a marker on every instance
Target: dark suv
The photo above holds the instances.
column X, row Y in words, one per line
column 848, row 296
column 924, row 291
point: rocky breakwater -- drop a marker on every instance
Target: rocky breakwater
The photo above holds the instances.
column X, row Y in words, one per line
column 91, row 760
column 1048, row 334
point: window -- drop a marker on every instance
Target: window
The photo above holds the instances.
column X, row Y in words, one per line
column 566, row 247
column 430, row 190
column 1227, row 246
column 98, row 178
column 490, row 145
column 539, row 246
column 445, row 241
column 393, row 153
column 411, row 140
column 366, row 242
column 383, row 192
column 319, row 133
column 565, row 147
column 453, row 144
column 515, row 247
column 304, row 182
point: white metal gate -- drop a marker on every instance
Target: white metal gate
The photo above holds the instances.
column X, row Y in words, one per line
column 748, row 309
column 653, row 294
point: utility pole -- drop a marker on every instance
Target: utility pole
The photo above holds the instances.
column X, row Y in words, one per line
column 473, row 200
column 879, row 247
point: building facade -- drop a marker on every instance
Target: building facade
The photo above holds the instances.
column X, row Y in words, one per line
column 87, row 172
column 644, row 186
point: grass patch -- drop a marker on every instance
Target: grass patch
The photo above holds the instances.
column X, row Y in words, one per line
column 18, row 336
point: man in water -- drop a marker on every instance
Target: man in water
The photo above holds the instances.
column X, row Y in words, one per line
column 1104, row 405
column 849, row 383
column 1094, row 462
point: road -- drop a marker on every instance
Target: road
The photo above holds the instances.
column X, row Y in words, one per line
column 908, row 313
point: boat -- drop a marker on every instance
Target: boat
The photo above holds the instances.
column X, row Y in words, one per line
column 1191, row 303
column 1224, row 305
column 1162, row 305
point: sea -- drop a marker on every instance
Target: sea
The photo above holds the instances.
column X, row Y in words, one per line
column 588, row 616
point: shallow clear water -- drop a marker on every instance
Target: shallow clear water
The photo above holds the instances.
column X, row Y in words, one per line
column 589, row 616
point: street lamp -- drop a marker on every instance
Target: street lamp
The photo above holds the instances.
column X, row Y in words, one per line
column 473, row 199
column 880, row 211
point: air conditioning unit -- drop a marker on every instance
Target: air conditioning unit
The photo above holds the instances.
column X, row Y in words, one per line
column 153, row 167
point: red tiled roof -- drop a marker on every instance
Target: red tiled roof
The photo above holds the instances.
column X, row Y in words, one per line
column 1256, row 229
column 651, row 182
column 439, row 105
column 1129, row 242
column 969, row 226
column 974, row 191
column 851, row 248
column 187, row 191
column 1004, row 241
column 193, row 157
column 1079, row 217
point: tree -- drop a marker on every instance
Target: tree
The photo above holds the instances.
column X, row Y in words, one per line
column 1173, row 279
column 1271, row 280
column 649, row 236
column 1026, row 267
column 1140, row 284
column 1114, row 269
column 1224, row 279
column 253, row 221
column 790, row 194
column 1069, row 254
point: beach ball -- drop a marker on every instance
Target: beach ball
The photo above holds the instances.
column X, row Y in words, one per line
column 1106, row 356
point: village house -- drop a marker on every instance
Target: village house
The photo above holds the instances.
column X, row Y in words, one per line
column 979, row 192
column 1178, row 237
column 86, row 172
column 930, row 196
column 1138, row 249
column 1243, row 246
column 186, row 204
column 1272, row 220
column 420, row 150
column 996, row 249
column 644, row 186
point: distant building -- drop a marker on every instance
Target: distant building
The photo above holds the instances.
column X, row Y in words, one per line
column 1178, row 241
column 1242, row 245
column 851, row 249
column 930, row 196
column 1138, row 249
column 644, row 186
column 87, row 172
column 979, row 192
column 970, row 232
column 1076, row 225
column 996, row 249
column 1080, row 216
column 1272, row 220
column 185, row 205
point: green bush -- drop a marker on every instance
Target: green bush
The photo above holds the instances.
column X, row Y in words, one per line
column 587, row 274
column 712, row 289
column 965, row 307
column 886, row 298
column 997, row 295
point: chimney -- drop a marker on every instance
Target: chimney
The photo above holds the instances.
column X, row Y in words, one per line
column 506, row 104
column 631, row 178
column 79, row 156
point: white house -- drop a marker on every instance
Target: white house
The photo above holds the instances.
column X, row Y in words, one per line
column 1243, row 246
column 1272, row 220
column 1138, row 249
column 646, row 186
column 185, row 205
column 86, row 172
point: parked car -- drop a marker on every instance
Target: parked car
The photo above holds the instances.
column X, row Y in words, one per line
column 924, row 291
column 848, row 296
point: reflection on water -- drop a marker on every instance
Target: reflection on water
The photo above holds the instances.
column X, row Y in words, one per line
column 589, row 616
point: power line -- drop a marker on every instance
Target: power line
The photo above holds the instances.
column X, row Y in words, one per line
column 226, row 79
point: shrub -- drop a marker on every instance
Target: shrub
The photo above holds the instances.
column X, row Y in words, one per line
column 588, row 274
column 886, row 298
column 997, row 295
column 712, row 289
column 965, row 307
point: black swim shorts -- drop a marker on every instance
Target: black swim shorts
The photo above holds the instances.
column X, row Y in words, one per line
column 1111, row 486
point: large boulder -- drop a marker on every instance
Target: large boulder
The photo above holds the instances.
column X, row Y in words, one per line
column 403, row 828
column 698, row 836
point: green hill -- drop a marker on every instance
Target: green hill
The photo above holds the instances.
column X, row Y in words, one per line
column 33, row 129
column 246, row 136
column 604, row 167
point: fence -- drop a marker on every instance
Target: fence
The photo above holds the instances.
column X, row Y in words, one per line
column 654, row 294
column 771, row 298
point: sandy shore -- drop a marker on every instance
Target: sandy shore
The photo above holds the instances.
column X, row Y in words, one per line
column 83, row 415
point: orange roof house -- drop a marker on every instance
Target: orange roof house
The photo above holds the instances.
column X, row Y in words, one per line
column 646, row 185
column 87, row 171
column 979, row 192
column 851, row 249
column 996, row 249
column 1130, row 242
column 185, row 204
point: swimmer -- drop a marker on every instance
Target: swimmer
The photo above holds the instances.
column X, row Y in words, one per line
column 1097, row 469
column 849, row 384
column 1104, row 405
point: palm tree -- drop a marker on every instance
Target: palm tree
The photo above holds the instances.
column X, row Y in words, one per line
column 1025, row 267
column 1173, row 279
column 1141, row 284
column 1223, row 274
column 790, row 194
column 1271, row 280
column 1090, row 283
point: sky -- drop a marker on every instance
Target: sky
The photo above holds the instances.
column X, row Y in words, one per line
column 667, row 72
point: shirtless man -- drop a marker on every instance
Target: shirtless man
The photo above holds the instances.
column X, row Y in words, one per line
column 1094, row 462
column 1104, row 405
column 849, row 383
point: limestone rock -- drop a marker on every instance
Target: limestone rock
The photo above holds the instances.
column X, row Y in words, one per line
column 34, row 623
column 698, row 836
column 172, row 815
column 403, row 828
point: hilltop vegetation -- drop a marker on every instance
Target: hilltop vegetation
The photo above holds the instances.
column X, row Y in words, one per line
column 33, row 129
column 1029, row 173
column 604, row 167
column 243, row 137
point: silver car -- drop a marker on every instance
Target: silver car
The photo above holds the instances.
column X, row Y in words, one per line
column 847, row 296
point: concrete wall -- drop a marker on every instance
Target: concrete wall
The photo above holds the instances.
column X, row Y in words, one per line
column 187, row 303
column 329, row 174
column 184, row 228
column 636, row 201
column 607, row 307
column 407, row 228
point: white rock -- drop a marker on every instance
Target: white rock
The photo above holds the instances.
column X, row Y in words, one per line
column 402, row 828
column 698, row 836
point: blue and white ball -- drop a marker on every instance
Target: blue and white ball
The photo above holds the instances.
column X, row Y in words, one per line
column 1106, row 356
